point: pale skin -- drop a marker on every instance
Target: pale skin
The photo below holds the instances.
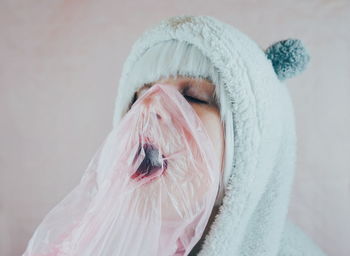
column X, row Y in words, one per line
column 198, row 93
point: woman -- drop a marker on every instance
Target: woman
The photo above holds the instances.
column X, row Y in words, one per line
column 236, row 89
column 258, row 125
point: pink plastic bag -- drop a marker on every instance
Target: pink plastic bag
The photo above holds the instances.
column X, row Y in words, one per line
column 149, row 189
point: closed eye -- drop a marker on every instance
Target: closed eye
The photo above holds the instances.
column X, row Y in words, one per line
column 195, row 100
column 187, row 97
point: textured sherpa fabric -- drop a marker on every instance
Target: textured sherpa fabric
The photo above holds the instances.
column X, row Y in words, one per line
column 289, row 58
column 252, row 219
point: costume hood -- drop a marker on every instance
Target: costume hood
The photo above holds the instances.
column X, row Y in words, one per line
column 252, row 219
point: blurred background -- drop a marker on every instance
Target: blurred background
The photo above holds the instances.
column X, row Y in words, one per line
column 60, row 67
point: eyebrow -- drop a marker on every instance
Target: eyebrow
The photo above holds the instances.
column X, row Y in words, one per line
column 188, row 84
column 147, row 85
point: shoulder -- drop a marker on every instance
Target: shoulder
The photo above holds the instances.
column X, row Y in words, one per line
column 295, row 242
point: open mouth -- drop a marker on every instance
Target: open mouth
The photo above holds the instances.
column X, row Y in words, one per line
column 152, row 165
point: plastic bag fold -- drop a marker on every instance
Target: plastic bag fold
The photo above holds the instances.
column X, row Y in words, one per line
column 148, row 190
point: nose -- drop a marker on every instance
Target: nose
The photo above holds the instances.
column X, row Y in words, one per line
column 151, row 162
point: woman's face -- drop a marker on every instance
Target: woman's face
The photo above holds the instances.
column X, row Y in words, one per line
column 199, row 94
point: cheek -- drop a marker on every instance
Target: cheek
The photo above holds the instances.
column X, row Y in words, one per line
column 212, row 123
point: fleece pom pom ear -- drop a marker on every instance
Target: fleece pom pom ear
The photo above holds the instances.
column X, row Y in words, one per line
column 289, row 58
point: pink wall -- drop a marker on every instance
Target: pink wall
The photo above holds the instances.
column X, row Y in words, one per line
column 60, row 66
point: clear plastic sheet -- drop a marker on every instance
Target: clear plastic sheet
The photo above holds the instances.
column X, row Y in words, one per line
column 149, row 189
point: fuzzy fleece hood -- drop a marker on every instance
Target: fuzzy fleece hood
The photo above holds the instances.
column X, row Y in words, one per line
column 252, row 219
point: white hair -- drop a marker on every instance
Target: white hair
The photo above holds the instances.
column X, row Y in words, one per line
column 175, row 58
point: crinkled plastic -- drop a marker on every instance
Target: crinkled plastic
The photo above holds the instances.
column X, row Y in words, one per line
column 149, row 189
